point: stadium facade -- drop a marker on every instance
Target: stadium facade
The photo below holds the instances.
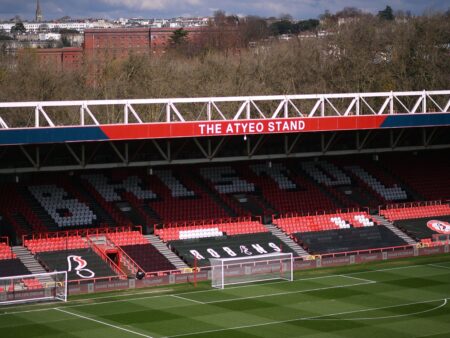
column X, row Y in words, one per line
column 155, row 188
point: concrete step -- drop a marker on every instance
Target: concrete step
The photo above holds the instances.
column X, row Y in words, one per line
column 383, row 221
column 286, row 239
column 30, row 262
column 174, row 259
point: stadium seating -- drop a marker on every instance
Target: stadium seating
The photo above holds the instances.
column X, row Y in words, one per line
column 143, row 253
column 55, row 244
column 425, row 173
column 32, row 283
column 148, row 257
column 344, row 220
column 338, row 232
column 159, row 198
column 6, row 251
column 17, row 212
column 326, row 173
column 229, row 228
column 394, row 193
column 410, row 212
column 12, row 267
column 126, row 238
column 199, row 251
column 345, row 240
column 80, row 264
column 414, row 219
column 64, row 210
column 284, row 189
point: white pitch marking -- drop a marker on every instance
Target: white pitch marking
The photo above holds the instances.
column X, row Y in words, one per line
column 357, row 278
column 387, row 269
column 288, row 293
column 193, row 292
column 103, row 323
column 393, row 316
column 188, row 299
column 305, row 318
column 440, row 266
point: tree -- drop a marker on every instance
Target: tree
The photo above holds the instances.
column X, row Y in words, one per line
column 349, row 12
column 307, row 25
column 282, row 27
column 179, row 37
column 18, row 28
column 253, row 29
column 386, row 14
column 4, row 35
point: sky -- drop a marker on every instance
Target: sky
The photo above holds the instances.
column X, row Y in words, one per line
column 113, row 9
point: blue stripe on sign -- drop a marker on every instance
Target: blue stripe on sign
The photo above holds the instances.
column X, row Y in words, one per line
column 51, row 135
column 416, row 120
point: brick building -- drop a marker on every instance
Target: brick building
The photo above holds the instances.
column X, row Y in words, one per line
column 116, row 42
column 113, row 43
column 62, row 58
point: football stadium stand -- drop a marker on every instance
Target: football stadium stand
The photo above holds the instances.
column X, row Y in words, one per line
column 196, row 244
column 55, row 244
column 80, row 264
column 339, row 232
column 420, row 220
column 6, row 251
column 424, row 173
column 12, row 267
column 145, row 256
column 348, row 240
column 191, row 211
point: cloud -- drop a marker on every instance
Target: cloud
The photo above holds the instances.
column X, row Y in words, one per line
column 152, row 4
column 299, row 9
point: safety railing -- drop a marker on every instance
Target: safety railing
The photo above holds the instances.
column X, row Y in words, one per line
column 105, row 258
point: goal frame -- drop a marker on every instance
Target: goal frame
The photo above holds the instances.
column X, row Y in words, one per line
column 219, row 264
column 48, row 288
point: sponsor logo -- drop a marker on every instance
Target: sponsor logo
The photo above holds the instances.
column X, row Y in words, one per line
column 240, row 250
column 245, row 250
column 80, row 269
column 439, row 227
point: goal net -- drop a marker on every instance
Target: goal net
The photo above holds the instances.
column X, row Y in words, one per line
column 32, row 288
column 239, row 270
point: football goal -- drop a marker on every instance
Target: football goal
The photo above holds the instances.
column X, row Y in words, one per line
column 50, row 286
column 240, row 270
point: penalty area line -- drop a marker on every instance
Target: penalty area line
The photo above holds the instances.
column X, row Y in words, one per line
column 103, row 323
column 320, row 317
column 289, row 292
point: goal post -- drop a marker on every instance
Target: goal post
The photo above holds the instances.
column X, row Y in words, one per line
column 51, row 286
column 240, row 270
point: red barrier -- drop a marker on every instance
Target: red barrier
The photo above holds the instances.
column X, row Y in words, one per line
column 125, row 255
column 4, row 239
column 207, row 222
column 105, row 257
column 81, row 232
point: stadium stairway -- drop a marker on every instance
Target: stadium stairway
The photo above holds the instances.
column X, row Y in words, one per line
column 286, row 239
column 197, row 179
column 174, row 259
column 414, row 195
column 383, row 221
column 30, row 262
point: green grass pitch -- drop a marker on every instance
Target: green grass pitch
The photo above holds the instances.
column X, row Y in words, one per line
column 401, row 298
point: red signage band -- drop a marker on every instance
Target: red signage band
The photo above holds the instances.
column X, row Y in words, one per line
column 242, row 127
